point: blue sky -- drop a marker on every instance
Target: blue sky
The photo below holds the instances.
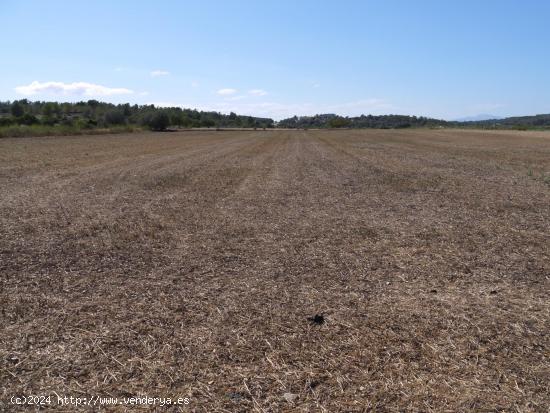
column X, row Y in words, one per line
column 445, row 59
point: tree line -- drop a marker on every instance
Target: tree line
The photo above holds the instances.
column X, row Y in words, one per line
column 403, row 121
column 364, row 121
column 94, row 114
column 516, row 122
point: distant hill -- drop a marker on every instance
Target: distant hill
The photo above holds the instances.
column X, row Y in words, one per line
column 477, row 118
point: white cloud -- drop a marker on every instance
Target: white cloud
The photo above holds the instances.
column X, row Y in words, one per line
column 257, row 92
column 226, row 92
column 157, row 73
column 75, row 88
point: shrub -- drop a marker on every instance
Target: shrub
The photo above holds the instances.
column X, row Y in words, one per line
column 66, row 121
column 208, row 123
column 6, row 121
column 158, row 121
column 17, row 109
column 85, row 124
column 339, row 122
column 49, row 120
column 115, row 117
column 520, row 127
column 27, row 119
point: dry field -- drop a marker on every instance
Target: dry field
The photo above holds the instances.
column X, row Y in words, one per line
column 189, row 265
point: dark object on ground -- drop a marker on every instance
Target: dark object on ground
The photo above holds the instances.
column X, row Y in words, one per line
column 317, row 319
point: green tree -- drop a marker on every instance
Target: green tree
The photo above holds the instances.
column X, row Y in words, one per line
column 48, row 109
column 115, row 117
column 176, row 119
column 28, row 119
column 185, row 121
column 207, row 123
column 66, row 108
column 17, row 109
column 126, row 109
column 158, row 121
column 339, row 122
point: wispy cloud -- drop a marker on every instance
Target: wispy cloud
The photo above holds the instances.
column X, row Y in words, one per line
column 195, row 84
column 157, row 73
column 226, row 92
column 75, row 88
column 235, row 98
column 257, row 92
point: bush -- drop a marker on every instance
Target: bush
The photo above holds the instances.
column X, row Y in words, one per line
column 115, row 117
column 85, row 124
column 66, row 121
column 339, row 122
column 17, row 109
column 28, row 119
column 403, row 125
column 6, row 121
column 520, row 127
column 158, row 121
column 207, row 123
column 49, row 120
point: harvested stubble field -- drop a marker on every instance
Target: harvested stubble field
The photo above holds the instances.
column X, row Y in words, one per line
column 188, row 264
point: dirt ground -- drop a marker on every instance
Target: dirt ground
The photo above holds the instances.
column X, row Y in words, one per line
column 192, row 264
